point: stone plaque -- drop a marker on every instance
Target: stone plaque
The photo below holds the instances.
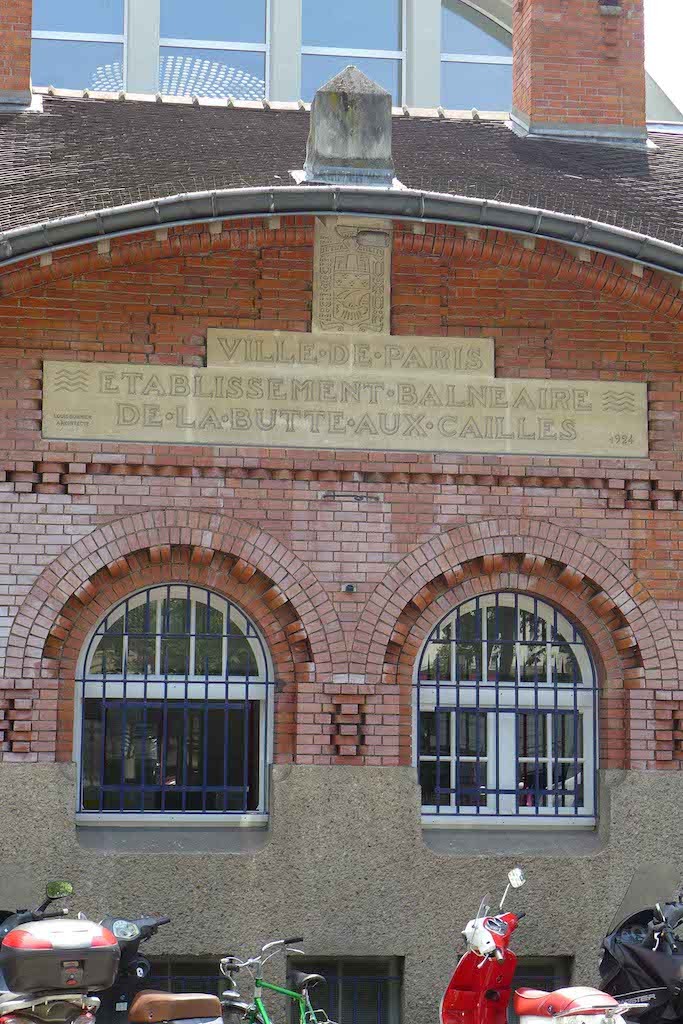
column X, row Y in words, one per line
column 344, row 354
column 404, row 411
column 352, row 275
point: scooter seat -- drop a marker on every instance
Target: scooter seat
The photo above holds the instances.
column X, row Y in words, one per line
column 150, row 1007
column 531, row 1002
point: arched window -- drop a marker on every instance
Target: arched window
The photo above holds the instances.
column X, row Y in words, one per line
column 175, row 688
column 505, row 697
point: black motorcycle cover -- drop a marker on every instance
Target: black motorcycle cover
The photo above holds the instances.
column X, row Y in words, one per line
column 630, row 968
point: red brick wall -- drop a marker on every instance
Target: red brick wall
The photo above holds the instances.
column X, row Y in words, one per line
column 574, row 64
column 281, row 530
column 15, row 46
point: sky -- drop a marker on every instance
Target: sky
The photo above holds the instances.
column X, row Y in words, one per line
column 663, row 45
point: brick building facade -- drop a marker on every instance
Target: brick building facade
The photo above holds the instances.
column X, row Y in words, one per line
column 344, row 561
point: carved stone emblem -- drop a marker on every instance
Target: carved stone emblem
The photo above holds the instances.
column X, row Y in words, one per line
column 352, row 276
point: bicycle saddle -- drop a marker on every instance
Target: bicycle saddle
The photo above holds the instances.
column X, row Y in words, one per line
column 301, row 981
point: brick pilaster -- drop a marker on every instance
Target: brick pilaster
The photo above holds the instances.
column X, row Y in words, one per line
column 578, row 68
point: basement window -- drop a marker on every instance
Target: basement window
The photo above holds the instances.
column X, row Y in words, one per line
column 544, row 973
column 357, row 990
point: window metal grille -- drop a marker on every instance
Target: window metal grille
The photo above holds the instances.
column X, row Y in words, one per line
column 174, row 975
column 176, row 690
column 505, row 700
column 366, row 991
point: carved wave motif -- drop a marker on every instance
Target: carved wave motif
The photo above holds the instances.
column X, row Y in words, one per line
column 71, row 380
column 618, row 401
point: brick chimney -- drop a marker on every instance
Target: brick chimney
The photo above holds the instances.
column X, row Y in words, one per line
column 15, row 53
column 579, row 70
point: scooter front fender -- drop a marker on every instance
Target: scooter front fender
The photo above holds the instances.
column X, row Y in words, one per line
column 479, row 994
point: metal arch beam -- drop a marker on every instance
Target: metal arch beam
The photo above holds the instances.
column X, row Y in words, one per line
column 499, row 11
column 398, row 204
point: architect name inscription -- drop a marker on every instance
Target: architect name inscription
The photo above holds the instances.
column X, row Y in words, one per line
column 318, row 407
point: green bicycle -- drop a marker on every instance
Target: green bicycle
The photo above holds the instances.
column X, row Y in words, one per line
column 236, row 1009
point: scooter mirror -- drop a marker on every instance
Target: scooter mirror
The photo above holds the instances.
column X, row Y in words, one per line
column 58, row 890
column 516, row 878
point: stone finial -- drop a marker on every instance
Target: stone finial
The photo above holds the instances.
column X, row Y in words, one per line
column 349, row 142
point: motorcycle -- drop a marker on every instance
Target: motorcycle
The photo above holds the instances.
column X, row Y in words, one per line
column 125, row 1001
column 642, row 961
column 480, row 989
column 42, row 990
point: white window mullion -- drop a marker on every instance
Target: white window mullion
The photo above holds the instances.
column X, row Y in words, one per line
column 284, row 46
column 142, row 45
column 158, row 605
column 453, row 757
column 507, row 771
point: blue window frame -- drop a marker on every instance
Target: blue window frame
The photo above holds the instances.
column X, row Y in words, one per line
column 505, row 700
column 175, row 689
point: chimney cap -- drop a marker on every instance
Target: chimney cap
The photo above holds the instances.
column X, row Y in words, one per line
column 349, row 142
column 353, row 81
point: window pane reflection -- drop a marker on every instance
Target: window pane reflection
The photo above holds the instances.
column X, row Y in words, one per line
column 355, row 24
column 101, row 16
column 484, row 86
column 73, row 64
column 185, row 71
column 464, row 30
column 156, row 757
column 228, row 21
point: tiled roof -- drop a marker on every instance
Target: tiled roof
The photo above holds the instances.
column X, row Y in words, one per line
column 83, row 155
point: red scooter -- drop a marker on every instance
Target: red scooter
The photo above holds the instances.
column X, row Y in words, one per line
column 479, row 991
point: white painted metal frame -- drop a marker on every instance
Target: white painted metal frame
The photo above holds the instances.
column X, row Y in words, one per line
column 132, row 77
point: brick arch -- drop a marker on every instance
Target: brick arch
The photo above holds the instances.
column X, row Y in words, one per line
column 237, row 559
column 548, row 261
column 582, row 577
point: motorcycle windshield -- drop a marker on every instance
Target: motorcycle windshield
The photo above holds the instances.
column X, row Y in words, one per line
column 653, row 883
column 484, row 908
